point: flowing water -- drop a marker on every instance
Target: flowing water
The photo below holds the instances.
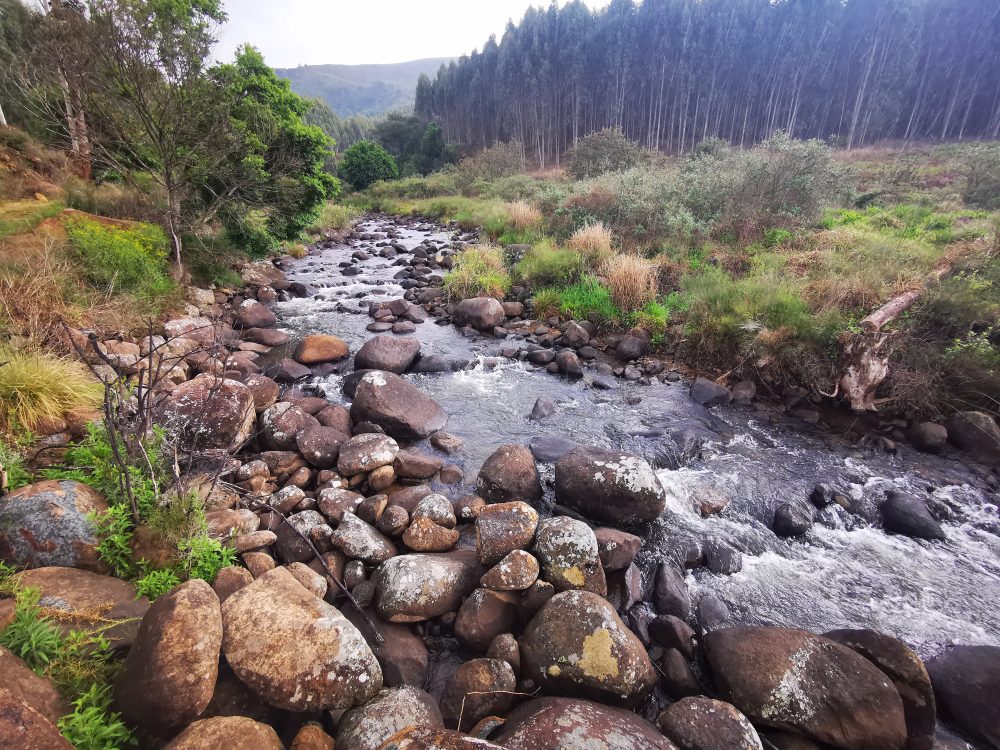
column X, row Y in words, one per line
column 844, row 573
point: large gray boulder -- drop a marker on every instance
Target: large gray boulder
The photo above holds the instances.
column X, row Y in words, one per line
column 369, row 726
column 400, row 408
column 976, row 433
column 209, row 412
column 966, row 683
column 609, row 486
column 484, row 313
column 413, row 588
column 389, row 353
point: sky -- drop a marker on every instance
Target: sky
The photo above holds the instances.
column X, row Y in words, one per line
column 313, row 32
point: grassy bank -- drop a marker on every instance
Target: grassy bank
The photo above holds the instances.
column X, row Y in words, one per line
column 751, row 262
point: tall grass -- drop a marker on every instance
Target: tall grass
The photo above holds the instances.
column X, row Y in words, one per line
column 631, row 281
column 36, row 386
column 547, row 265
column 478, row 272
column 334, row 216
column 523, row 215
column 593, row 242
column 589, row 300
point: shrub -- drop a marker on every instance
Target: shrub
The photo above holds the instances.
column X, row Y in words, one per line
column 493, row 163
column 589, row 299
column 156, row 583
column 546, row 265
column 36, row 386
column 981, row 165
column 510, row 188
column 117, row 259
column 365, row 163
column 334, row 216
column 93, row 725
column 523, row 215
column 478, row 272
column 593, row 242
column 631, row 281
column 608, row 150
column 546, row 302
column 33, row 638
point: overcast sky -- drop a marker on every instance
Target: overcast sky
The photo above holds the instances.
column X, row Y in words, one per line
column 312, row 32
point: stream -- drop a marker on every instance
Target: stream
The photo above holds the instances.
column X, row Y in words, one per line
column 844, row 573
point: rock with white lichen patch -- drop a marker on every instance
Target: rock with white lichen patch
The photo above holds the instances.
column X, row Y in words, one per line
column 577, row 645
column 698, row 723
column 368, row 726
column 609, row 486
column 294, row 650
column 568, row 553
column 806, row 684
column 412, row 588
column 400, row 408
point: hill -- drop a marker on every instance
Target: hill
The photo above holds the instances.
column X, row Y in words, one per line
column 370, row 90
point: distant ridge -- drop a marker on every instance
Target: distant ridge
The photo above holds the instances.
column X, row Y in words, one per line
column 370, row 90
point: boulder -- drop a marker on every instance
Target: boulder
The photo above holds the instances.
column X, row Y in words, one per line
column 266, row 336
column 312, row 737
column 906, row 670
column 387, row 353
column 509, row 474
column 437, row 509
column 24, row 728
column 36, row 691
column 928, row 436
column 313, row 350
column 577, row 645
column 609, row 486
column 222, row 732
column 294, row 650
column 631, row 347
column 369, row 726
column 263, row 389
column 792, row 519
column 574, row 335
column 698, row 723
column 360, row 541
column 502, row 528
column 568, row 554
column 515, row 572
column 401, row 409
column 670, row 592
column 976, row 433
column 617, row 548
column 50, row 523
column 709, row 393
column 424, row 738
column 484, row 313
column 477, row 689
column 320, row 446
column 966, row 683
column 672, row 633
column 280, row 425
column 412, row 588
column 402, row 654
column 252, row 314
column 804, row 683
column 903, row 513
column 570, row 724
column 366, row 452
column 168, row 677
column 423, row 535
column 483, row 616
column 412, row 464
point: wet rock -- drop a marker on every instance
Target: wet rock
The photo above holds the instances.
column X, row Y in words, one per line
column 484, row 313
column 436, row 508
column 672, row 632
column 281, row 424
column 288, row 371
column 707, row 724
column 252, row 314
column 479, row 688
column 792, row 519
column 569, row 364
column 312, row 658
column 804, row 683
column 446, row 442
column 226, row 732
column 209, row 412
column 928, row 436
column 318, row 348
column 402, row 654
column 567, row 551
column 263, row 389
column 906, row 670
column 412, row 464
column 320, row 446
column 670, row 592
column 677, row 678
column 24, row 728
column 966, row 682
column 712, row 613
column 577, row 645
column 632, row 347
column 721, row 558
column 550, row 448
column 509, row 474
column 400, row 408
column 976, row 433
column 50, row 523
column 423, row 535
column 412, row 588
column 903, row 513
column 617, row 548
column 366, row 452
column 544, row 407
column 266, row 336
column 387, row 353
column 502, row 528
column 744, row 392
column 505, row 647
column 359, row 541
column 515, row 572
column 369, row 726
column 609, row 486
column 709, row 393
column 168, row 677
column 37, row 692
column 483, row 616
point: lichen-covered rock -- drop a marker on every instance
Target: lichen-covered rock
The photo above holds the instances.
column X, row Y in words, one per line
column 698, row 723
column 366, row 452
column 567, row 551
column 50, row 523
column 484, row 313
column 412, row 588
column 169, row 675
column 617, row 548
column 221, row 732
column 806, row 684
column 509, row 474
column 359, row 541
column 436, row 508
column 313, row 350
column 320, row 446
column 573, row 724
column 210, row 412
column 423, row 535
column 294, row 650
column 394, row 709
column 609, row 486
column 252, row 314
column 423, row 738
column 515, row 572
column 280, row 425
column 577, row 645
column 502, row 528
column 398, row 407
column 477, row 689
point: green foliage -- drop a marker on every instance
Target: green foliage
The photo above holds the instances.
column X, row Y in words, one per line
column 156, row 583
column 35, row 385
column 478, row 271
column 589, row 299
column 334, row 216
column 116, row 259
column 32, row 637
column 343, row 131
column 203, row 557
column 654, row 316
column 981, row 166
column 12, row 463
column 494, row 163
column 418, row 147
column 545, row 265
column 93, row 725
column 608, row 150
column 546, row 302
column 365, row 163
column 113, row 529
column 776, row 236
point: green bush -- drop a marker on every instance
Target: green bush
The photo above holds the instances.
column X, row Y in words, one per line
column 93, row 725
column 546, row 302
column 365, row 163
column 981, row 165
column 589, row 299
column 494, row 163
column 117, row 259
column 33, row 638
column 478, row 272
column 546, row 265
column 334, row 216
column 608, row 150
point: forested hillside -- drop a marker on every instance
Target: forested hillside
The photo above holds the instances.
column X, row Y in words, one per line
column 671, row 73
column 369, row 90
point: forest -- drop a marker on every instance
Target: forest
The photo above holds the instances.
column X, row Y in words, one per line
column 671, row 73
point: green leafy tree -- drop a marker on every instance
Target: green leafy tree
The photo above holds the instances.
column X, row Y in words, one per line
column 366, row 163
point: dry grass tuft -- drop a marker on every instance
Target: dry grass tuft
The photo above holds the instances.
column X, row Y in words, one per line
column 593, row 242
column 36, row 386
column 631, row 281
column 523, row 215
column 479, row 271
